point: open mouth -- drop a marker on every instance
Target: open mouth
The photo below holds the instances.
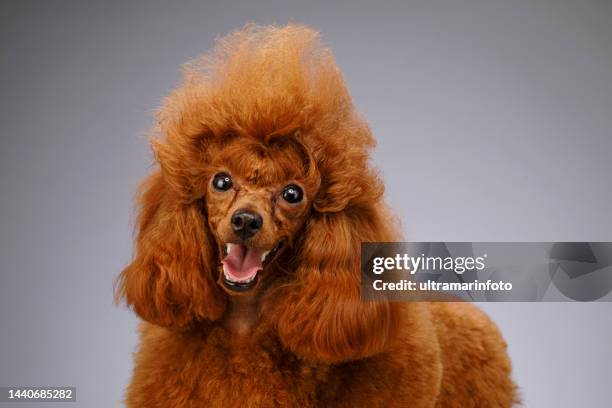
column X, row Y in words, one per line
column 242, row 264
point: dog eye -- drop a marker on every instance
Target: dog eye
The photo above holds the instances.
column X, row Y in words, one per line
column 222, row 182
column 293, row 194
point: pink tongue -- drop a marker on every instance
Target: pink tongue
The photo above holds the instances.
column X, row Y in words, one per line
column 242, row 262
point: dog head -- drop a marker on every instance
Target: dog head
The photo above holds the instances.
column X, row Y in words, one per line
column 263, row 187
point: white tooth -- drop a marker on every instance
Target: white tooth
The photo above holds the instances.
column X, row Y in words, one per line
column 263, row 256
column 228, row 248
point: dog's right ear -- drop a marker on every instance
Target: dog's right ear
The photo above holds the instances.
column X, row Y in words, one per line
column 170, row 280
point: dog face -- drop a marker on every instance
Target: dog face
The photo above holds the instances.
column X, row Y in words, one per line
column 256, row 202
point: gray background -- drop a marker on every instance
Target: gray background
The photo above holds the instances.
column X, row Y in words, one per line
column 494, row 123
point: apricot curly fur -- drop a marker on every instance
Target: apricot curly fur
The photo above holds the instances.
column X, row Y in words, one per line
column 271, row 104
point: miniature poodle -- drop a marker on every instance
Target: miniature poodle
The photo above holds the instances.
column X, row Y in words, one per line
column 246, row 271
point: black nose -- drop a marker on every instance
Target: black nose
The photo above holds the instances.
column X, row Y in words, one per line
column 246, row 223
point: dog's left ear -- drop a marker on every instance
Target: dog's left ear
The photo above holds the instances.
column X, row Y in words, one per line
column 320, row 316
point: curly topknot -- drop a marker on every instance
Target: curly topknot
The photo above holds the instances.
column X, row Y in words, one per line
column 266, row 82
